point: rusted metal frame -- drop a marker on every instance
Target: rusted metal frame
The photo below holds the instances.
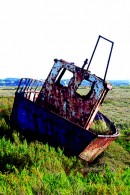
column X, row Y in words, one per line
column 99, row 100
column 105, row 93
column 69, row 67
column 28, row 81
column 83, row 75
column 31, row 85
column 21, row 86
column 53, row 74
column 62, row 64
column 35, row 92
column 94, row 111
column 26, row 84
column 75, row 71
column 60, row 76
column 30, row 91
column 99, row 85
column 72, row 68
column 93, row 52
column 27, row 87
column 18, row 88
column 108, row 60
column 81, row 97
column 58, row 65
column 39, row 82
column 108, row 57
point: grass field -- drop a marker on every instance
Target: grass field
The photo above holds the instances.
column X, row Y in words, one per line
column 117, row 106
column 34, row 168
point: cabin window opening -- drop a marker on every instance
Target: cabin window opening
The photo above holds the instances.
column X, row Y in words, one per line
column 85, row 88
column 63, row 77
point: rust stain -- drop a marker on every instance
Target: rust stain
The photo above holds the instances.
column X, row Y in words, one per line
column 96, row 147
column 65, row 101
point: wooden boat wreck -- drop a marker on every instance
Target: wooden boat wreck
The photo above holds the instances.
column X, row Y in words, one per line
column 58, row 114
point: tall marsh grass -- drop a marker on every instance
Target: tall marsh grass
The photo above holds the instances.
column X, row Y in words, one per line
column 34, row 168
column 31, row 167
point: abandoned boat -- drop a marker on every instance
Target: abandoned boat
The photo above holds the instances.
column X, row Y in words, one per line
column 57, row 113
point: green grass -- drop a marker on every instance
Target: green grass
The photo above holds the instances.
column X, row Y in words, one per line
column 100, row 127
column 117, row 106
column 30, row 167
column 7, row 91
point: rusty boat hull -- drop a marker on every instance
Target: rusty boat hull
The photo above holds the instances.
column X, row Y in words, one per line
column 48, row 127
column 58, row 114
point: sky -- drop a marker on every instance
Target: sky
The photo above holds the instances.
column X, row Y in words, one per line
column 34, row 33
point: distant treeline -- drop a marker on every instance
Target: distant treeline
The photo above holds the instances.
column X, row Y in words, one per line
column 120, row 82
column 9, row 82
column 15, row 82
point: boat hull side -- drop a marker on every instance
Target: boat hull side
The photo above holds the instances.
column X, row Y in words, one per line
column 49, row 127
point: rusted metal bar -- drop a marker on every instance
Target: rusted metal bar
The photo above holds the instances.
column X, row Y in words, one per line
column 112, row 44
